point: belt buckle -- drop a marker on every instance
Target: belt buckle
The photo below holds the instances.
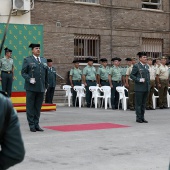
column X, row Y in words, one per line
column 8, row 72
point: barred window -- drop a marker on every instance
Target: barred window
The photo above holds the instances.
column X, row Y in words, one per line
column 152, row 4
column 88, row 1
column 86, row 46
column 153, row 47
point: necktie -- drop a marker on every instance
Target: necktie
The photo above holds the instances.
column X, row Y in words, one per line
column 38, row 60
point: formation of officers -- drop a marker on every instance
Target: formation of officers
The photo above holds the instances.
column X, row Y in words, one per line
column 138, row 77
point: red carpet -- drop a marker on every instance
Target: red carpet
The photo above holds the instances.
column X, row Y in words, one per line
column 81, row 127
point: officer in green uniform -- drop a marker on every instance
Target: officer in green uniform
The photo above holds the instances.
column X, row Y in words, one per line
column 130, row 84
column 152, row 72
column 75, row 79
column 89, row 79
column 12, row 147
column 7, row 71
column 35, row 72
column 140, row 75
column 124, row 69
column 103, row 73
column 162, row 78
column 115, row 79
column 51, row 82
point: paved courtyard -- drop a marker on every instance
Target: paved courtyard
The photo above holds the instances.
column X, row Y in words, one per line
column 137, row 147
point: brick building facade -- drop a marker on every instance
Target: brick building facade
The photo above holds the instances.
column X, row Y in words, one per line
column 102, row 28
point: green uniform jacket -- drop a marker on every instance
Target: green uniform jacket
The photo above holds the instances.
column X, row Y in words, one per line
column 32, row 69
column 12, row 147
column 140, row 71
column 52, row 77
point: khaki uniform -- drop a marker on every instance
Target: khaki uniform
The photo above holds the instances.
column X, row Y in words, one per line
column 7, row 74
column 163, row 73
column 131, row 92
column 152, row 72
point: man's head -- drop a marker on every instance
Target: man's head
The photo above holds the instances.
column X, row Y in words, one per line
column 76, row 63
column 128, row 61
column 35, row 49
column 103, row 62
column 116, row 61
column 142, row 57
column 163, row 60
column 49, row 62
column 149, row 61
column 90, row 61
column 133, row 60
column 8, row 52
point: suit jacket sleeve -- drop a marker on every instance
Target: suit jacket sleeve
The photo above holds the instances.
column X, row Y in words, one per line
column 12, row 147
column 25, row 70
column 134, row 73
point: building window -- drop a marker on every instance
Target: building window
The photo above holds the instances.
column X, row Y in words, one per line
column 153, row 47
column 86, row 46
column 88, row 1
column 152, row 4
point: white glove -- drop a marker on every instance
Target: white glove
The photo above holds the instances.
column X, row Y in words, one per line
column 32, row 80
column 142, row 80
column 45, row 90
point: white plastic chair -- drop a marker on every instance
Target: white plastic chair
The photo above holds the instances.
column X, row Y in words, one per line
column 154, row 98
column 95, row 94
column 122, row 96
column 80, row 94
column 106, row 95
column 168, row 97
column 67, row 88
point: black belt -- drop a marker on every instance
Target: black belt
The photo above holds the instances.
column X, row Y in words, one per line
column 91, row 80
column 104, row 80
column 8, row 72
column 77, row 80
column 117, row 81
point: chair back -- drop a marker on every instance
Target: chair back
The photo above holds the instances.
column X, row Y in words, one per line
column 121, row 91
column 106, row 90
column 80, row 91
column 95, row 90
column 67, row 88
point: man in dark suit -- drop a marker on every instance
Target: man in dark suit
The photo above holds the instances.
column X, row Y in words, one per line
column 12, row 147
column 35, row 72
column 51, row 81
column 140, row 75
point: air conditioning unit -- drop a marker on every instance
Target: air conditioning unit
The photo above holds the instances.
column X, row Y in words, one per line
column 23, row 5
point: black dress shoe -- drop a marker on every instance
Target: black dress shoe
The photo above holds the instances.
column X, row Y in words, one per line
column 151, row 108
column 161, row 107
column 145, row 121
column 165, row 107
column 139, row 121
column 147, row 108
column 132, row 108
column 39, row 129
column 32, row 129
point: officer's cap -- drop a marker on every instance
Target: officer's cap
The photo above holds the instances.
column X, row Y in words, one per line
column 49, row 60
column 140, row 54
column 128, row 59
column 163, row 57
column 116, row 58
column 103, row 60
column 7, row 50
column 75, row 61
column 34, row 45
column 89, row 59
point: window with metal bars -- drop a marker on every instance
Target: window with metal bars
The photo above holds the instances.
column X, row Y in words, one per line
column 153, row 47
column 152, row 4
column 88, row 1
column 86, row 46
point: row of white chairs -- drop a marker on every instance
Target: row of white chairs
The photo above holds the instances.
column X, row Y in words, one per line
column 106, row 97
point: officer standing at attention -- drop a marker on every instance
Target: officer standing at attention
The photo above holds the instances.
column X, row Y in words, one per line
column 51, row 82
column 75, row 79
column 140, row 75
column 103, row 73
column 89, row 79
column 152, row 72
column 124, row 69
column 35, row 72
column 12, row 147
column 162, row 78
column 7, row 72
column 115, row 78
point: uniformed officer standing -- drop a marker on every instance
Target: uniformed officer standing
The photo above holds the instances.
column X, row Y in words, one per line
column 130, row 84
column 115, row 78
column 103, row 73
column 162, row 78
column 152, row 72
column 75, row 79
column 7, row 71
column 140, row 75
column 35, row 72
column 12, row 147
column 51, row 82
column 89, row 79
